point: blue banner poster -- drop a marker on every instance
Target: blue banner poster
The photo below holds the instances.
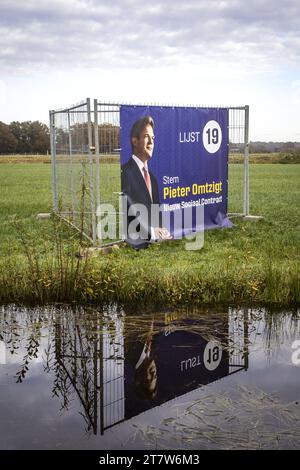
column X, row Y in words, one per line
column 186, row 150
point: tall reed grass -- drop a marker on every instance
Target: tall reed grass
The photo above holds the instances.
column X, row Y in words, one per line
column 250, row 263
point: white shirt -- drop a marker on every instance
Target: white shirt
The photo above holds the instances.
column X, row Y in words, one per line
column 145, row 353
column 142, row 165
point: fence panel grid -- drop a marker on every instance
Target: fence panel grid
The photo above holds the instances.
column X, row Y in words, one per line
column 85, row 152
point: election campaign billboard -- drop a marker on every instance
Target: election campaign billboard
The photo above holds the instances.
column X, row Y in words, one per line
column 185, row 152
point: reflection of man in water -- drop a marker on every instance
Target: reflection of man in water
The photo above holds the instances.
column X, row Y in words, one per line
column 145, row 379
column 140, row 185
column 169, row 359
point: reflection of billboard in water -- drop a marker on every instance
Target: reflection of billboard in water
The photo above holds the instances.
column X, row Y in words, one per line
column 170, row 364
column 117, row 378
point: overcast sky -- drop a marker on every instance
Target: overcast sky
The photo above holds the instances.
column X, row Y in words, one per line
column 54, row 53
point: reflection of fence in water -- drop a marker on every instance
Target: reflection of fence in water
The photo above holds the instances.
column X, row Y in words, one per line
column 90, row 360
column 237, row 340
column 85, row 146
column 92, row 363
column 113, row 398
column 77, row 351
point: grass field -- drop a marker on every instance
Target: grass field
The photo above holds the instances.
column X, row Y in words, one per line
column 275, row 157
column 256, row 262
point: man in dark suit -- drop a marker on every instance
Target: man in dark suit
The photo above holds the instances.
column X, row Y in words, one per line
column 139, row 185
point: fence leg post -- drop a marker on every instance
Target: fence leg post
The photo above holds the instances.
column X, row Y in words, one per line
column 91, row 160
column 97, row 157
column 53, row 160
column 71, row 165
column 246, row 162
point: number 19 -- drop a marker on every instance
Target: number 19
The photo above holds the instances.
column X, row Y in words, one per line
column 213, row 136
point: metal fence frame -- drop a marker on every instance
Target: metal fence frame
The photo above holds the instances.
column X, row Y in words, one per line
column 94, row 365
column 238, row 122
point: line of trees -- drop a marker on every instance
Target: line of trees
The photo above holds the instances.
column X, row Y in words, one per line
column 24, row 137
column 271, row 147
column 32, row 137
column 77, row 136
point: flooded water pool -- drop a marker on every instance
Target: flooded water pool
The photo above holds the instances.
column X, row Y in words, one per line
column 81, row 378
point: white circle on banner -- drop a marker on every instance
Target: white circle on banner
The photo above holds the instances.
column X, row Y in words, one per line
column 212, row 136
column 212, row 355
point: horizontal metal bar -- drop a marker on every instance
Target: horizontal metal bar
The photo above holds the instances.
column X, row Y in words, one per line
column 235, row 214
column 117, row 105
column 75, row 212
column 75, row 106
column 108, row 111
column 109, row 213
column 241, row 108
column 74, row 226
column 69, row 111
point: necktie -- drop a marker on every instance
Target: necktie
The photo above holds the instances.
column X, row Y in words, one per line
column 147, row 181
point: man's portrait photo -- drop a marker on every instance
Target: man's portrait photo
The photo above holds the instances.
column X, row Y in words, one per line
column 140, row 188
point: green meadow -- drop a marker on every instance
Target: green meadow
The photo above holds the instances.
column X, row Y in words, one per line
column 253, row 262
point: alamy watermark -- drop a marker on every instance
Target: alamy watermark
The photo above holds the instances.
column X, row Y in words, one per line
column 296, row 353
column 2, row 353
column 133, row 222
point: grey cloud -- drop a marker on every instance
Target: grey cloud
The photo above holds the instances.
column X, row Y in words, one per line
column 88, row 33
